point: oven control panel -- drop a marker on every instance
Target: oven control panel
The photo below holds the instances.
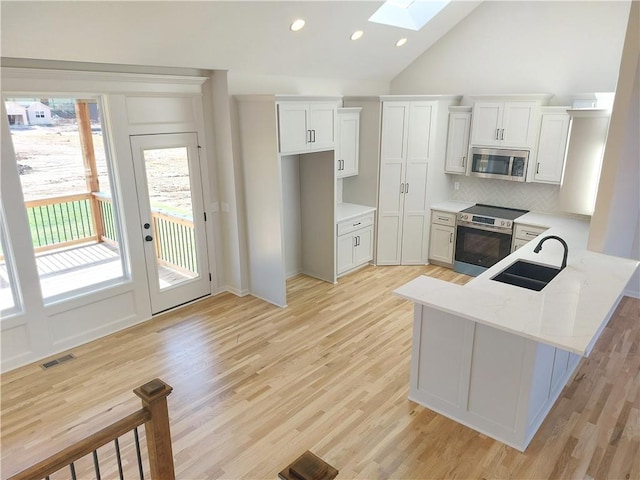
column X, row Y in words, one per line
column 478, row 219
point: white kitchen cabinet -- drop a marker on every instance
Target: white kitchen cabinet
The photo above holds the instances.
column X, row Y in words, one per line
column 552, row 145
column 442, row 238
column 458, row 140
column 354, row 243
column 306, row 126
column 504, row 124
column 347, row 141
column 403, row 210
column 524, row 233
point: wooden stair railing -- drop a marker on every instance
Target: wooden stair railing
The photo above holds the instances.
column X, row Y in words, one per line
column 154, row 414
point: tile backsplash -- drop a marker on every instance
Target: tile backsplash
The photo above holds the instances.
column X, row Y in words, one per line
column 537, row 197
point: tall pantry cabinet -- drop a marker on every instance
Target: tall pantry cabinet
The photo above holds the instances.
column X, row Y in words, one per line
column 407, row 138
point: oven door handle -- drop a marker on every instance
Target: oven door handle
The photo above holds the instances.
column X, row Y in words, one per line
column 486, row 228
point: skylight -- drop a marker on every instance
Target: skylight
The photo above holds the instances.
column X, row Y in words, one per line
column 409, row 14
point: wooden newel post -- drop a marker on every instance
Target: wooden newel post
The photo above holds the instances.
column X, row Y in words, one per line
column 154, row 398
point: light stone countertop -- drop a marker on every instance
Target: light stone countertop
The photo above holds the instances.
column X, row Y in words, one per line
column 569, row 313
column 451, row 206
column 347, row 211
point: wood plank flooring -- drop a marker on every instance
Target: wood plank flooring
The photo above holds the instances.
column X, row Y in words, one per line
column 256, row 385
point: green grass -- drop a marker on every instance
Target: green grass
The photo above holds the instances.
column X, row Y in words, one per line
column 62, row 222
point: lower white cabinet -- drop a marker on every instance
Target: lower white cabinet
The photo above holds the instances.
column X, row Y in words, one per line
column 524, row 233
column 442, row 238
column 354, row 243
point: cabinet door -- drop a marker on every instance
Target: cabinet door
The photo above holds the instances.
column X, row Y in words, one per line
column 322, row 125
column 363, row 252
column 392, row 173
column 457, row 143
column 518, row 243
column 518, row 124
column 441, row 243
column 292, row 127
column 416, row 212
column 345, row 256
column 552, row 145
column 347, row 145
column 486, row 123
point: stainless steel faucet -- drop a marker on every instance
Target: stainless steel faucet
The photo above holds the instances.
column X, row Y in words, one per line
column 564, row 244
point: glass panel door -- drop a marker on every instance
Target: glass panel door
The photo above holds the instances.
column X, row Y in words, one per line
column 172, row 213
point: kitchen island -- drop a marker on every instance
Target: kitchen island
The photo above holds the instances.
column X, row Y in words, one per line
column 494, row 356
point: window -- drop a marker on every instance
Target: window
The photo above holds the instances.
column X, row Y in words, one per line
column 65, row 177
column 9, row 297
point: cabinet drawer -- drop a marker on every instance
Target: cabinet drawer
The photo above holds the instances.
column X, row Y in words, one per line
column 443, row 218
column 528, row 231
column 355, row 223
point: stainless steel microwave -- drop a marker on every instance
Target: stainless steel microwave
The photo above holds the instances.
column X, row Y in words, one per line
column 499, row 163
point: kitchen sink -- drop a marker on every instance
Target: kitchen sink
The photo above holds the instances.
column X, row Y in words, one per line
column 527, row 275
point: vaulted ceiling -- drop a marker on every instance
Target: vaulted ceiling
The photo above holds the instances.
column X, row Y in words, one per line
column 250, row 37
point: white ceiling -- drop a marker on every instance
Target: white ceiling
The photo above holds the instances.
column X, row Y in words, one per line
column 249, row 37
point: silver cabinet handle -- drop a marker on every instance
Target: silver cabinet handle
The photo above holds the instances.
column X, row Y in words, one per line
column 443, row 218
column 497, row 134
column 406, row 188
column 451, row 237
column 356, row 224
column 308, row 136
column 464, row 161
column 501, row 134
column 538, row 168
column 314, row 136
column 402, row 188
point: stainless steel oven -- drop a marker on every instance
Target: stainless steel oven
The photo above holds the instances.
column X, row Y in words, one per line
column 483, row 237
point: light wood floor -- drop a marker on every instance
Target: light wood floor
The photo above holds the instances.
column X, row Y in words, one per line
column 255, row 386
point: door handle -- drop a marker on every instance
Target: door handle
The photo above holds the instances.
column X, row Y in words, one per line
column 538, row 168
column 406, row 188
column 451, row 237
column 308, row 136
column 497, row 134
column 464, row 162
column 357, row 240
column 148, row 238
column 502, row 134
column 402, row 188
column 314, row 136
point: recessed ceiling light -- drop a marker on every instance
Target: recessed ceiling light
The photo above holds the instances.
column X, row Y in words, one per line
column 297, row 25
column 357, row 35
column 401, row 42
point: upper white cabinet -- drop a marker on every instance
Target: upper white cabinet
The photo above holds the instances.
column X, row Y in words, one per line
column 408, row 131
column 504, row 124
column 347, row 141
column 552, row 144
column 306, row 126
column 458, row 140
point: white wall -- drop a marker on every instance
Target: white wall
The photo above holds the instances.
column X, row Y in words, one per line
column 615, row 226
column 524, row 47
column 244, row 83
column 291, row 214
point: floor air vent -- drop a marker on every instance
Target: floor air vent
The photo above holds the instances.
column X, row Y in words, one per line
column 57, row 361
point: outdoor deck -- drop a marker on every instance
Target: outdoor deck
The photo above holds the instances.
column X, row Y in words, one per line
column 72, row 268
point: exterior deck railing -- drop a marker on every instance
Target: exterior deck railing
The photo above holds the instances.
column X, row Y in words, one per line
column 58, row 222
